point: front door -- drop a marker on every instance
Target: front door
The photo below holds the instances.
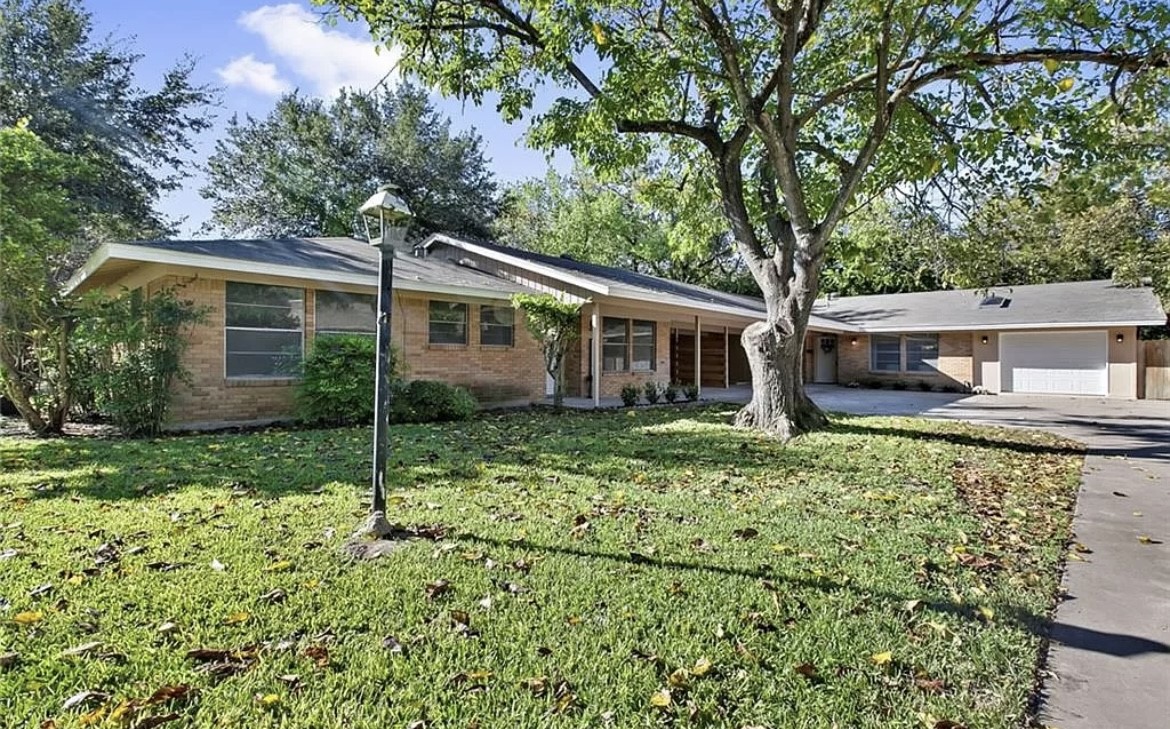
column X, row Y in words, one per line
column 825, row 359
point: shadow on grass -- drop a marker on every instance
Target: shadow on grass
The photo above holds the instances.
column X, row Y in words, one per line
column 604, row 446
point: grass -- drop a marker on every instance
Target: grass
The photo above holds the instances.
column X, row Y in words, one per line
column 602, row 569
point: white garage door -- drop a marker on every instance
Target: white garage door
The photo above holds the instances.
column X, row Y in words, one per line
column 1064, row 363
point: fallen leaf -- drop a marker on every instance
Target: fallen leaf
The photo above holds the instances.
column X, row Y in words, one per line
column 807, row 670
column 167, row 628
column 84, row 697
column 746, row 533
column 319, row 654
column 948, row 724
column 171, row 692
column 661, row 699
column 28, row 617
column 701, row 668
column 912, row 605
column 679, row 678
column 268, row 700
column 437, row 588
column 986, row 613
column 9, row 659
column 82, row 649
column 1121, row 494
column 152, row 721
column 237, row 618
column 40, row 590
column 881, row 659
column 274, row 596
column 930, row 685
column 1082, row 548
column 282, row 566
column 217, row 565
column 1144, row 539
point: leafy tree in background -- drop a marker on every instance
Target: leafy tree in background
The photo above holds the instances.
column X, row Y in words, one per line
column 37, row 224
column 794, row 111
column 83, row 99
column 644, row 223
column 305, row 168
column 555, row 324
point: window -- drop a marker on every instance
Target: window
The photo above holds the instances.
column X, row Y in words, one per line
column 628, row 345
column 921, row 352
column 448, row 323
column 615, row 344
column 340, row 313
column 264, row 335
column 497, row 325
column 885, row 353
column 643, row 346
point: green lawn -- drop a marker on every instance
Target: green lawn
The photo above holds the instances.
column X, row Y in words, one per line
column 600, row 569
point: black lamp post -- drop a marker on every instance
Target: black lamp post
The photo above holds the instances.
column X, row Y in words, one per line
column 386, row 218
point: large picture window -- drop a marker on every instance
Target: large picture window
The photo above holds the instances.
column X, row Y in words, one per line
column 448, row 323
column 338, row 312
column 921, row 352
column 497, row 325
column 885, row 353
column 264, row 330
column 628, row 345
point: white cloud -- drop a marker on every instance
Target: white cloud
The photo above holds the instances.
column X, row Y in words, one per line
column 256, row 75
column 325, row 58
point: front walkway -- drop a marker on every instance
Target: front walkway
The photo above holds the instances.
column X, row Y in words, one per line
column 1109, row 659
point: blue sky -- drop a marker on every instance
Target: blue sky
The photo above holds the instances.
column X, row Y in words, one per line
column 254, row 51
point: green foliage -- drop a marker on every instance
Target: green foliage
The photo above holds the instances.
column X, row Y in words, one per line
column 37, row 222
column 428, row 401
column 305, row 168
column 555, row 324
column 337, row 381
column 132, row 347
column 652, row 391
column 671, row 393
column 630, row 394
column 691, row 392
column 85, row 99
column 700, row 541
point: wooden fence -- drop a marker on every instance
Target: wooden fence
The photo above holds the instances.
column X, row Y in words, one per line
column 1157, row 359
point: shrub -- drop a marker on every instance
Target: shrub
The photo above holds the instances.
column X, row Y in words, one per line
column 652, row 392
column 899, row 384
column 337, row 385
column 925, row 386
column 691, row 392
column 630, row 395
column 671, row 393
column 426, row 401
column 872, row 383
column 132, row 349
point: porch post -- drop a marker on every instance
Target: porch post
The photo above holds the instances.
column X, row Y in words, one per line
column 726, row 361
column 596, row 355
column 698, row 353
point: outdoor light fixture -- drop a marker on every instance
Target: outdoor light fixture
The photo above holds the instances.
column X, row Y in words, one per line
column 1121, row 337
column 983, row 339
column 386, row 214
column 853, row 341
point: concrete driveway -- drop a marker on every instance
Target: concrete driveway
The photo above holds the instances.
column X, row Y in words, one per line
column 1109, row 658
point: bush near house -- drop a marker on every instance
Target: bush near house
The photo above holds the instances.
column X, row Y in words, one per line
column 426, row 401
column 630, row 395
column 337, row 384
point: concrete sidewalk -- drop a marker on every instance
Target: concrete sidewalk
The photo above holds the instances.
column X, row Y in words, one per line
column 1109, row 659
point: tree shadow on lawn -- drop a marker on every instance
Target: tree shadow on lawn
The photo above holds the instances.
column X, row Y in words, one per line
column 1116, row 644
column 604, row 446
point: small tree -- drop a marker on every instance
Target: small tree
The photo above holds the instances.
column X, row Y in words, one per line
column 556, row 324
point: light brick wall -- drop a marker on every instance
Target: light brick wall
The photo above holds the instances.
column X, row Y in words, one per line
column 577, row 364
column 492, row 373
column 954, row 362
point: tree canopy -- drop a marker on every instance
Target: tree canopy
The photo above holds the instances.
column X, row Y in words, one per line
column 305, row 168
column 83, row 98
column 797, row 111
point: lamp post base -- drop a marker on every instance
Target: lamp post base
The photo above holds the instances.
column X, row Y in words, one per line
column 374, row 537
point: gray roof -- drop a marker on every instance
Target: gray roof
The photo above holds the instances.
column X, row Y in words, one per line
column 341, row 255
column 629, row 284
column 1093, row 303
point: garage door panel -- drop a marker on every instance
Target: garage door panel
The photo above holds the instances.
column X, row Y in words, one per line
column 1068, row 363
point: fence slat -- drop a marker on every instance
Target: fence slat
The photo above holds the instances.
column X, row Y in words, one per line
column 1157, row 360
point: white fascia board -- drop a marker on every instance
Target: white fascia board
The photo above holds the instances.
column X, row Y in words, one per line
column 146, row 254
column 527, row 265
column 1011, row 327
column 92, row 264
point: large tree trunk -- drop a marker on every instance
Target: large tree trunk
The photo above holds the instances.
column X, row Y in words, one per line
column 779, row 405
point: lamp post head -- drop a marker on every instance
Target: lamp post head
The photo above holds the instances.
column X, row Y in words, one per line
column 393, row 217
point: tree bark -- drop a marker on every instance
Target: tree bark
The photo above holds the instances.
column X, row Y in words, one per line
column 779, row 405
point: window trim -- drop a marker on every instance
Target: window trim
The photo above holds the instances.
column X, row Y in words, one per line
column 510, row 327
column 274, row 379
column 466, row 324
column 902, row 360
column 629, row 324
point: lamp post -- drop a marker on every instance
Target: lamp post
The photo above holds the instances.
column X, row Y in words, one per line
column 386, row 214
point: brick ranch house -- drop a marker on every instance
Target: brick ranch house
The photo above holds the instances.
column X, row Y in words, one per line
column 453, row 321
